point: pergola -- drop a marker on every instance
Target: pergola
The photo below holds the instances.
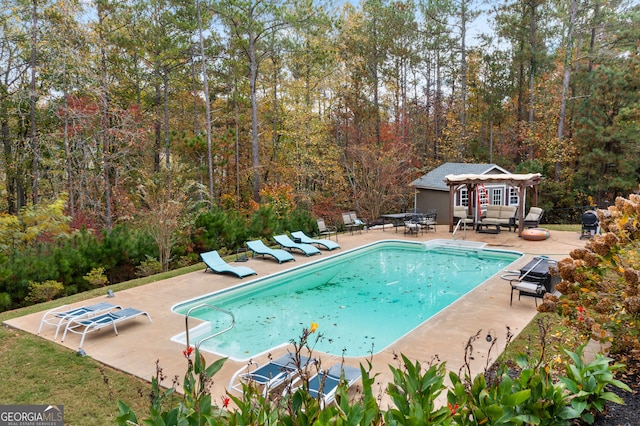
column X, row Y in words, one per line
column 520, row 181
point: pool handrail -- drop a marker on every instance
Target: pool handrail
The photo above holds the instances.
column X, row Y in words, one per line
column 215, row 308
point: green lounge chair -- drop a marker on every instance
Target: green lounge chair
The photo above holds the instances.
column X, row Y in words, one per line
column 304, row 238
column 288, row 243
column 216, row 264
column 258, row 247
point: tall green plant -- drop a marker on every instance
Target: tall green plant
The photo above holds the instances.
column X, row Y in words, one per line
column 195, row 408
column 588, row 383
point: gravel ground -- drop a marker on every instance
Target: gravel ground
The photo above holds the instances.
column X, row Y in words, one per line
column 623, row 415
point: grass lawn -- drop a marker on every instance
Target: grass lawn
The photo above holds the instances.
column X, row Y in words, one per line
column 36, row 371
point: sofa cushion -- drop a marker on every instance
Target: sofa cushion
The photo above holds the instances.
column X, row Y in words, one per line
column 507, row 212
column 493, row 211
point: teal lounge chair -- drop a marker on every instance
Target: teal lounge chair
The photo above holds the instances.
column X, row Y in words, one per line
column 323, row 386
column 59, row 316
column 288, row 243
column 84, row 326
column 269, row 375
column 258, row 247
column 215, row 263
column 304, row 238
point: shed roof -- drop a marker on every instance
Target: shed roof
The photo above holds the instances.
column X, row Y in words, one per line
column 435, row 179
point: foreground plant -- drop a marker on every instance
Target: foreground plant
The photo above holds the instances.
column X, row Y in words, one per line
column 588, row 383
column 525, row 395
column 196, row 407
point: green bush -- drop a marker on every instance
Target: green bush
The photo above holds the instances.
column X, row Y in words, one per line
column 44, row 292
column 219, row 230
column 265, row 223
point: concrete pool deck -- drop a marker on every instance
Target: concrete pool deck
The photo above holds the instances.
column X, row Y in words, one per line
column 139, row 344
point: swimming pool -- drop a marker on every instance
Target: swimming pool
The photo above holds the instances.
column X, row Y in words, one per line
column 363, row 300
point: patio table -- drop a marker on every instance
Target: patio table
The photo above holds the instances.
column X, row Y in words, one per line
column 397, row 219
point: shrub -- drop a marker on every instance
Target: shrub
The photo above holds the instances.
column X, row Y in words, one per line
column 600, row 282
column 96, row 277
column 148, row 267
column 44, row 292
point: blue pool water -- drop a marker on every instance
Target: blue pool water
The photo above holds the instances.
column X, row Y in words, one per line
column 362, row 300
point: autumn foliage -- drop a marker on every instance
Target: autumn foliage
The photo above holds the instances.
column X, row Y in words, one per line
column 600, row 293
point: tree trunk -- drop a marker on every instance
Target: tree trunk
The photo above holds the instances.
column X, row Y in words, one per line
column 566, row 78
column 32, row 105
column 255, row 152
column 104, row 122
column 205, row 83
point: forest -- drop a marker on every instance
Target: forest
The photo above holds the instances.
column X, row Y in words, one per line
column 137, row 133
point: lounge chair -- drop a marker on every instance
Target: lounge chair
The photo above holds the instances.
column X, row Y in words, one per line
column 258, row 247
column 270, row 375
column 323, row 229
column 532, row 219
column 216, row 264
column 590, row 224
column 323, row 386
column 84, row 326
column 58, row 317
column 288, row 243
column 327, row 244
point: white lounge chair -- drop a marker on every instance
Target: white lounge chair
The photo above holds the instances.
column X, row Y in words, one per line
column 59, row 317
column 288, row 243
column 215, row 263
column 84, row 326
column 269, row 375
column 304, row 238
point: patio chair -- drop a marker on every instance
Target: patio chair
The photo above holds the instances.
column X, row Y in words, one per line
column 304, row 238
column 533, row 280
column 411, row 227
column 287, row 243
column 429, row 221
column 270, row 375
column 358, row 222
column 323, row 386
column 461, row 214
column 84, row 326
column 324, row 230
column 215, row 263
column 258, row 247
column 590, row 224
column 59, row 317
column 351, row 222
column 532, row 219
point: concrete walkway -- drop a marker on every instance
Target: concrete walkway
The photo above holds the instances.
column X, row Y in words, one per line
column 140, row 343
